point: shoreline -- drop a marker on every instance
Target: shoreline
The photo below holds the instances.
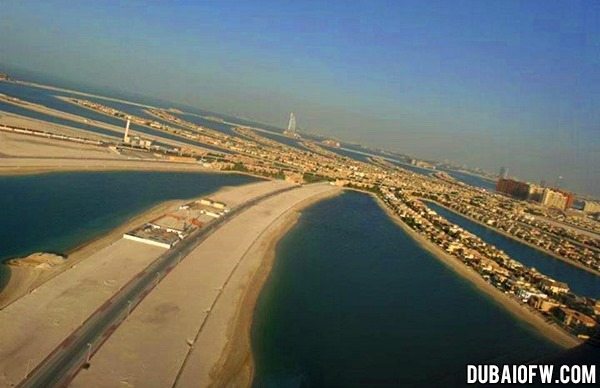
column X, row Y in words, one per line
column 60, row 89
column 552, row 332
column 64, row 115
column 23, row 280
column 180, row 167
column 236, row 364
column 503, row 233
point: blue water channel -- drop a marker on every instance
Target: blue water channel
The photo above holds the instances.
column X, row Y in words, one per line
column 59, row 211
column 581, row 282
column 353, row 301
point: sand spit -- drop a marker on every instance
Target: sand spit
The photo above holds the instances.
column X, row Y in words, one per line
column 36, row 323
column 235, row 368
column 63, row 115
column 203, row 309
column 37, row 260
column 25, row 278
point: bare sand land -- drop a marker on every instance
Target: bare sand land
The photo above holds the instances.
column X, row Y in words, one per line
column 183, row 333
column 34, row 325
column 38, row 322
column 63, row 115
column 26, row 122
column 39, row 125
column 524, row 313
column 22, row 154
column 23, row 279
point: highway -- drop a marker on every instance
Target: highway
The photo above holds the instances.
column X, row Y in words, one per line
column 75, row 352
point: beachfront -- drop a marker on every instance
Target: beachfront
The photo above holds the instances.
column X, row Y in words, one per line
column 86, row 286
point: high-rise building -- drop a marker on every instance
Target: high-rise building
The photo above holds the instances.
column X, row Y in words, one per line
column 126, row 135
column 513, row 187
column 503, row 173
column 535, row 193
column 570, row 199
column 292, row 123
column 554, row 198
column 291, row 128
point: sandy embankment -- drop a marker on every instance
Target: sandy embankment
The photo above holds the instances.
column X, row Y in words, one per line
column 15, row 120
column 204, row 308
column 24, row 279
column 23, row 154
column 550, row 253
column 235, row 367
column 550, row 330
column 68, row 116
column 118, row 130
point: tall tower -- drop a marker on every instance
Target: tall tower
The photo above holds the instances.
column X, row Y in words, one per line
column 503, row 173
column 292, row 123
column 126, row 136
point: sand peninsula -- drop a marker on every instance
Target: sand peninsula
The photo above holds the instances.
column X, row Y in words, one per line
column 205, row 299
column 28, row 275
column 204, row 341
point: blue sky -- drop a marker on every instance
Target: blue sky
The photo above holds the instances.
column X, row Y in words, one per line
column 492, row 83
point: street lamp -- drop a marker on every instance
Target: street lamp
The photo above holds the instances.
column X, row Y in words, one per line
column 89, row 353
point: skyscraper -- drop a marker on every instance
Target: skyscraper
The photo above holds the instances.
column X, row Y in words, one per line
column 503, row 173
column 513, row 188
column 292, row 123
column 126, row 135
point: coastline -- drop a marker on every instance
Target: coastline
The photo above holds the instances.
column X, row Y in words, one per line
column 236, row 366
column 551, row 331
column 160, row 166
column 59, row 89
column 236, row 363
column 550, row 253
column 24, row 280
column 63, row 115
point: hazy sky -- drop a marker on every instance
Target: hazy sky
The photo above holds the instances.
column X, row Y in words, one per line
column 485, row 83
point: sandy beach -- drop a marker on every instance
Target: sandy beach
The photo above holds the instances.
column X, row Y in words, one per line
column 204, row 308
column 235, row 368
column 549, row 330
column 236, row 365
column 36, row 323
column 23, row 279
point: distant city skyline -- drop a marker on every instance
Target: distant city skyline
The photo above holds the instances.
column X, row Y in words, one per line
column 483, row 84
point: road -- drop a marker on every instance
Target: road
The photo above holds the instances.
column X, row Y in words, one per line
column 61, row 366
